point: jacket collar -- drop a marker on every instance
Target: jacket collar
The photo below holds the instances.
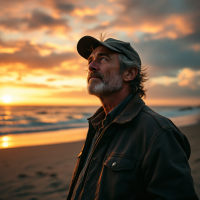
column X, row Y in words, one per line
column 131, row 110
column 96, row 113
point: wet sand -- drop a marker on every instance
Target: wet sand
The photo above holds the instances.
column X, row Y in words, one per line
column 44, row 172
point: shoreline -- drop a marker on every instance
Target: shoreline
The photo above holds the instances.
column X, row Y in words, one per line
column 69, row 135
column 42, row 138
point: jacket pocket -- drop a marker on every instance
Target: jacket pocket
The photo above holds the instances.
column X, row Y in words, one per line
column 117, row 177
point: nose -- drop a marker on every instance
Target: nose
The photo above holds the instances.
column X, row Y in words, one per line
column 92, row 66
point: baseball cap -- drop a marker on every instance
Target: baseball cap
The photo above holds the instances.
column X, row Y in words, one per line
column 88, row 43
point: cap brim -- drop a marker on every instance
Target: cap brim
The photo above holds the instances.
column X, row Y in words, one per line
column 87, row 44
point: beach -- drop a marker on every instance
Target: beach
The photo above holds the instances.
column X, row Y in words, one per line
column 45, row 171
column 37, row 172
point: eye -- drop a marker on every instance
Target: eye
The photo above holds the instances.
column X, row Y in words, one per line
column 103, row 58
column 89, row 61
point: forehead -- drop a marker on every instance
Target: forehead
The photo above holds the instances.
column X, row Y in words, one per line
column 102, row 49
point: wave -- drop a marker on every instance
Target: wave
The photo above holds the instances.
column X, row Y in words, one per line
column 27, row 119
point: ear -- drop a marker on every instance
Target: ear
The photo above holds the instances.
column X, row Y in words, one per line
column 130, row 73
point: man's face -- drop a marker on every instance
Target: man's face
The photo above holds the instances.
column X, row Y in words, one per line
column 104, row 72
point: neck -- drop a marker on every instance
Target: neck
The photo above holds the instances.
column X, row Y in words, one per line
column 110, row 101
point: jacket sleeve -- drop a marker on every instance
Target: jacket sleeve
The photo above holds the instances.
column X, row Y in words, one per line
column 166, row 170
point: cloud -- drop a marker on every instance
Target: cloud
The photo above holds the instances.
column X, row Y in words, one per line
column 12, row 7
column 26, row 85
column 172, row 91
column 167, row 18
column 89, row 19
column 163, row 80
column 37, row 21
column 165, row 33
column 189, row 78
column 22, row 6
column 195, row 47
column 60, row 6
column 50, row 79
column 165, row 57
column 64, row 7
column 28, row 55
column 185, row 78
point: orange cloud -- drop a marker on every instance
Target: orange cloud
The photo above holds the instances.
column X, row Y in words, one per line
column 36, row 21
column 163, row 80
column 85, row 11
column 171, row 27
column 187, row 77
column 195, row 47
column 34, row 56
column 61, row 48
column 8, row 50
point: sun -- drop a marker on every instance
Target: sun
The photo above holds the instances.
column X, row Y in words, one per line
column 6, row 98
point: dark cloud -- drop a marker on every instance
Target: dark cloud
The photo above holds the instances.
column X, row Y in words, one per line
column 166, row 57
column 171, row 91
column 60, row 6
column 26, row 45
column 155, row 11
column 65, row 8
column 29, row 55
column 38, row 20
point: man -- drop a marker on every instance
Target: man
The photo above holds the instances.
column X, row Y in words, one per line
column 131, row 152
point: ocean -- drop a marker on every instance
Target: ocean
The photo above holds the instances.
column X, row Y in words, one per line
column 29, row 119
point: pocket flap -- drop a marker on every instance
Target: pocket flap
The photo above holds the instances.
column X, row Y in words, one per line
column 119, row 163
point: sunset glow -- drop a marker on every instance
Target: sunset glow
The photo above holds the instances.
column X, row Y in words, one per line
column 20, row 140
column 6, row 98
column 39, row 63
column 5, row 141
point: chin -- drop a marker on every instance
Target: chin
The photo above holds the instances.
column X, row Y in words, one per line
column 95, row 89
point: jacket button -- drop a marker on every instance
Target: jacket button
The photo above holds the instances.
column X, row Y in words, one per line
column 114, row 164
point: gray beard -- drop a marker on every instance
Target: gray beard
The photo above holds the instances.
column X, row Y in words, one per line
column 103, row 88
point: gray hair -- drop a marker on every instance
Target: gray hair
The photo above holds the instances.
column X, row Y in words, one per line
column 137, row 84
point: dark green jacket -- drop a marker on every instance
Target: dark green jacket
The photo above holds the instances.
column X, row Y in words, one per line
column 141, row 155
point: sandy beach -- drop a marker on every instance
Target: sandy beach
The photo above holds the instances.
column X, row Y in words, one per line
column 44, row 172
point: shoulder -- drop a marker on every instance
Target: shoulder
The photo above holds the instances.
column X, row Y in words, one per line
column 152, row 122
column 155, row 118
column 156, row 125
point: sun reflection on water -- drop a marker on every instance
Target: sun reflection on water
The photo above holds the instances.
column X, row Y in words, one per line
column 5, row 141
column 5, row 144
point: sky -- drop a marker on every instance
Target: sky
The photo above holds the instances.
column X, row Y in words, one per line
column 39, row 63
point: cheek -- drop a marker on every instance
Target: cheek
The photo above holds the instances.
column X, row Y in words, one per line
column 107, row 76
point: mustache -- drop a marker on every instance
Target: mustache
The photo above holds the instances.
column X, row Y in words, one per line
column 95, row 74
